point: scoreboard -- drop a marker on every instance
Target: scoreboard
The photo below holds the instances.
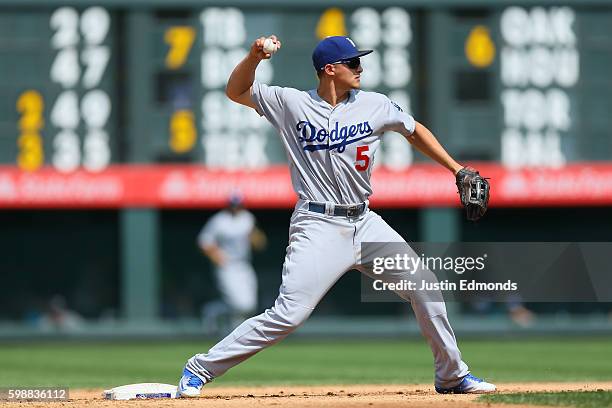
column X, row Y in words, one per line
column 193, row 52
column 59, row 75
column 62, row 76
column 95, row 89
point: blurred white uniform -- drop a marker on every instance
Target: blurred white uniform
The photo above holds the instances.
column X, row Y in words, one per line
column 236, row 277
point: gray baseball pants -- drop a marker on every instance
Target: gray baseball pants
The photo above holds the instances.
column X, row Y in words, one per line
column 321, row 249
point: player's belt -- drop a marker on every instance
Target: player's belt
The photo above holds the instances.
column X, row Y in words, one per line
column 338, row 210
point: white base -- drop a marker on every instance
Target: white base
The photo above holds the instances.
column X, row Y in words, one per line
column 141, row 391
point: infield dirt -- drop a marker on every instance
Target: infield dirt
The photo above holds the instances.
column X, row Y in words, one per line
column 341, row 396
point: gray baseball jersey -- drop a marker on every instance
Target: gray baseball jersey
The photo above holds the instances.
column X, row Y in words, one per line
column 230, row 233
column 330, row 149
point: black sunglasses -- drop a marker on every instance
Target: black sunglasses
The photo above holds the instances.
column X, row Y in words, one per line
column 353, row 63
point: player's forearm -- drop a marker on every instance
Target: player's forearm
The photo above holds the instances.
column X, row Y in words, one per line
column 242, row 77
column 425, row 142
column 214, row 253
column 258, row 239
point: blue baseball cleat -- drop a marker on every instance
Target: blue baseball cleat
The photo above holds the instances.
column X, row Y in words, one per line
column 469, row 385
column 189, row 385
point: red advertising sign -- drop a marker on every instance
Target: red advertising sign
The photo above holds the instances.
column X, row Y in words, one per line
column 183, row 186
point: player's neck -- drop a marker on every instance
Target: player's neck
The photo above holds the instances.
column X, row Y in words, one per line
column 330, row 93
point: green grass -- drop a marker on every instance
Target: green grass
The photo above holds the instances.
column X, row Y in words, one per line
column 303, row 362
column 590, row 399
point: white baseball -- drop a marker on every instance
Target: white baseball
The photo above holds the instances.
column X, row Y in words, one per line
column 269, row 46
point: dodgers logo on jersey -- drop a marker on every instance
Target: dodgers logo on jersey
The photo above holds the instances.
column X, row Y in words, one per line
column 314, row 138
column 396, row 106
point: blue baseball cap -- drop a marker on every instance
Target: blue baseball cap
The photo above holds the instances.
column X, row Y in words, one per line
column 335, row 49
column 235, row 199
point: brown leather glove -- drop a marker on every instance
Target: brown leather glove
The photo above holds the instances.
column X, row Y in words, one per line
column 473, row 192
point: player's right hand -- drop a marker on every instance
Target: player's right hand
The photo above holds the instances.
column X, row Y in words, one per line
column 257, row 47
column 219, row 259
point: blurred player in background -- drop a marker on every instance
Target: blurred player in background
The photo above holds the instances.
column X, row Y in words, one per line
column 227, row 239
column 513, row 306
column 58, row 316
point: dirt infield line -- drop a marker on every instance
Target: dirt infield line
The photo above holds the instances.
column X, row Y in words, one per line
column 327, row 396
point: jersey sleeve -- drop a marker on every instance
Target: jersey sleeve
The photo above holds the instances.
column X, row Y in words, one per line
column 396, row 119
column 269, row 101
column 251, row 221
column 208, row 234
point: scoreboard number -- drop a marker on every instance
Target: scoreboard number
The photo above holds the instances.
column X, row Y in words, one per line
column 96, row 150
column 65, row 23
column 65, row 69
column 31, row 106
column 366, row 27
column 65, row 112
column 95, row 23
column 180, row 40
column 96, row 108
column 72, row 68
column 67, row 155
column 397, row 31
column 183, row 133
column 95, row 60
column 397, row 68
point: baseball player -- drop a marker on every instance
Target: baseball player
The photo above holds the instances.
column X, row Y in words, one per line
column 330, row 135
column 226, row 240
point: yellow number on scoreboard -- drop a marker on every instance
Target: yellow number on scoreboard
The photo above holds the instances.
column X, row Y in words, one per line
column 30, row 146
column 180, row 39
column 182, row 131
column 331, row 23
column 30, row 155
column 30, row 104
column 479, row 47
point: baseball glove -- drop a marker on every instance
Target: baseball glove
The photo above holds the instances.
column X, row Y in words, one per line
column 473, row 192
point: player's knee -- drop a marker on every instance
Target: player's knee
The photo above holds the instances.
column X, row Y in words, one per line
column 299, row 316
column 290, row 314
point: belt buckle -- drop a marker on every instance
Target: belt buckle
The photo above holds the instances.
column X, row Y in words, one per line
column 352, row 211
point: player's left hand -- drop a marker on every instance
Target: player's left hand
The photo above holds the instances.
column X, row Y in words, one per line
column 473, row 192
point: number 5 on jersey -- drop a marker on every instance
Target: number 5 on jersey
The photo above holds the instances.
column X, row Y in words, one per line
column 362, row 160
